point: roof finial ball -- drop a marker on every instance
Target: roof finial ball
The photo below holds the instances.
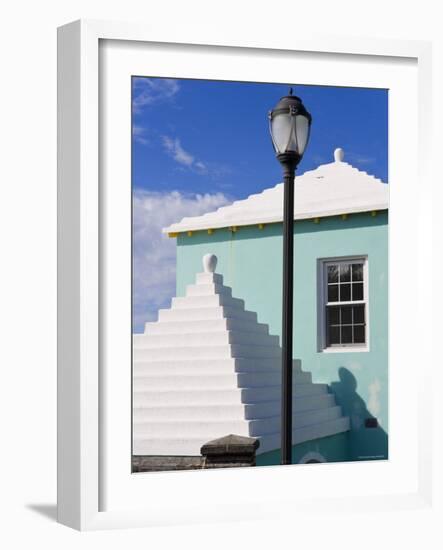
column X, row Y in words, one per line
column 339, row 154
column 209, row 263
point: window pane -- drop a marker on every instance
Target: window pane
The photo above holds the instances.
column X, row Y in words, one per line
column 359, row 334
column 346, row 335
column 345, row 273
column 282, row 131
column 334, row 335
column 357, row 272
column 357, row 291
column 332, row 273
column 346, row 315
column 333, row 315
column 332, row 293
column 345, row 292
column 302, row 133
column 359, row 314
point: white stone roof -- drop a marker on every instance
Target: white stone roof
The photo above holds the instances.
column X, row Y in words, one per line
column 331, row 189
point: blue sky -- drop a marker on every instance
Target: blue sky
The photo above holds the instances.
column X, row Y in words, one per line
column 198, row 145
column 206, row 136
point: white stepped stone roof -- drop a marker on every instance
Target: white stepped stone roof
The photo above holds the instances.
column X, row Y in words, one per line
column 207, row 368
column 331, row 189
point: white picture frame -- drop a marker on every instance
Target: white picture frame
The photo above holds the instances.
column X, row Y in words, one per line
column 95, row 491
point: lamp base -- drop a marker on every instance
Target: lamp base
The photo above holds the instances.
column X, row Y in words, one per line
column 289, row 161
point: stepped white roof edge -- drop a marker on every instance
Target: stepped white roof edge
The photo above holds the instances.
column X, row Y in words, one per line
column 331, row 189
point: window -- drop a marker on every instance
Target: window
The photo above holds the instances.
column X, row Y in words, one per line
column 344, row 315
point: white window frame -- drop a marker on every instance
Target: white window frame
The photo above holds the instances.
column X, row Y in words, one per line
column 322, row 304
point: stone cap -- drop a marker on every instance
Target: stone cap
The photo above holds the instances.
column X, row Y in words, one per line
column 230, row 445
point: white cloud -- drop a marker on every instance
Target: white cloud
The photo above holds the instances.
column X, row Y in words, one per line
column 154, row 254
column 139, row 134
column 359, row 158
column 174, row 148
column 147, row 91
column 201, row 166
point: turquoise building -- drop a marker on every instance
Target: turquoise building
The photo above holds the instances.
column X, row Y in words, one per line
column 340, row 290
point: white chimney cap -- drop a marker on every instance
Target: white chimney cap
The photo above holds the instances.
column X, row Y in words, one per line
column 339, row 154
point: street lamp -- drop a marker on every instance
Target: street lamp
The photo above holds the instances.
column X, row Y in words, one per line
column 289, row 124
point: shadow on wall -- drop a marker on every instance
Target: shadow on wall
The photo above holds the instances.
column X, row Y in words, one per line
column 368, row 441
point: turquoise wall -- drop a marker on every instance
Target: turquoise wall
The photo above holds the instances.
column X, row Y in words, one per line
column 334, row 449
column 250, row 261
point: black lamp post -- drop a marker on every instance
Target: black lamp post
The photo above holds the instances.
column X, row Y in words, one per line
column 290, row 124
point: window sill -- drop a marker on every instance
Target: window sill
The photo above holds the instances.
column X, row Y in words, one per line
column 345, row 349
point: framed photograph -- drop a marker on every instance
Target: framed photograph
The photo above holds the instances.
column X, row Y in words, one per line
column 178, row 383
column 207, row 339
